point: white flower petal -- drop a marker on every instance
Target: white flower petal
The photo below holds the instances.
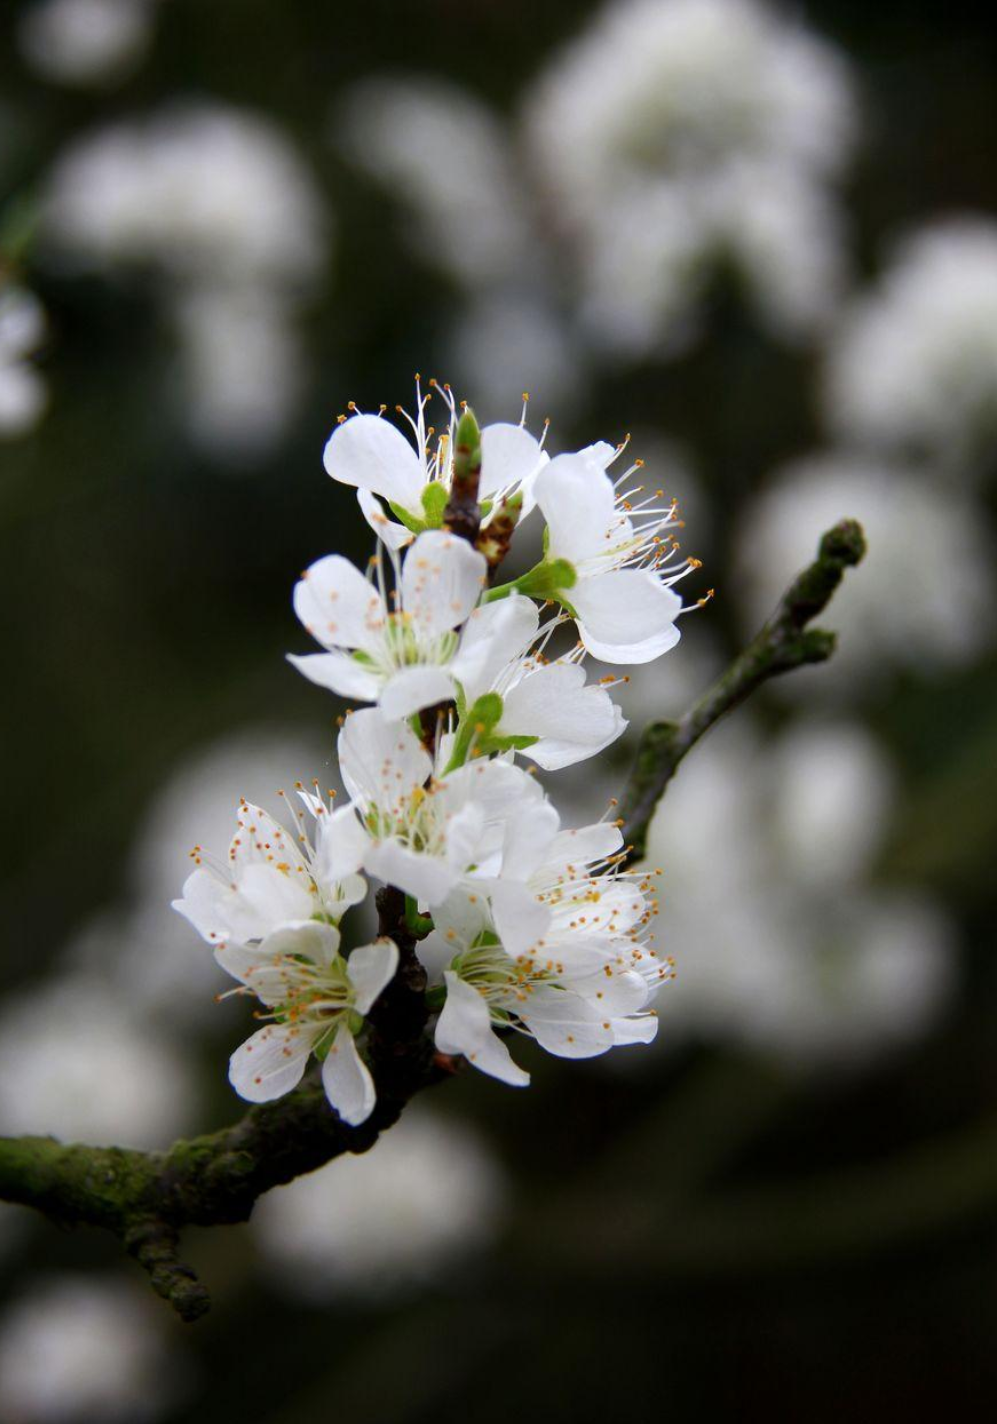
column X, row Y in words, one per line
column 615, row 995
column 338, row 606
column 461, row 918
column 510, row 455
column 465, row 1027
column 371, row 967
column 527, row 838
column 271, row 1063
column 274, row 896
column 520, row 919
column 394, row 536
column 442, row 580
column 380, row 761
column 642, row 1028
column 347, row 1081
column 573, row 721
column 426, row 877
column 564, row 1025
column 372, row 454
column 572, row 849
column 465, row 833
column 435, row 954
column 339, row 672
column 494, row 635
column 578, row 501
column 414, row 688
column 553, row 753
column 340, row 846
column 626, row 616
column 211, row 907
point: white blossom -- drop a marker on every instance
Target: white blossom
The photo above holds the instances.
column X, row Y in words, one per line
column 549, row 711
column 581, row 988
column 318, row 1001
column 913, row 366
column 924, row 595
column 610, row 558
column 372, row 455
column 406, row 1213
column 23, row 394
column 272, row 878
column 86, row 1349
column 272, row 913
column 428, row 832
column 402, row 649
column 86, row 42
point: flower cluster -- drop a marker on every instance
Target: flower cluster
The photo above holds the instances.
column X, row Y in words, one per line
column 520, row 924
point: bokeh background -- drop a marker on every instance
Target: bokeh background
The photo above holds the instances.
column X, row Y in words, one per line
column 762, row 240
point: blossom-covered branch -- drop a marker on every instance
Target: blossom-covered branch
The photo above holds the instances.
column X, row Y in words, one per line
column 495, row 921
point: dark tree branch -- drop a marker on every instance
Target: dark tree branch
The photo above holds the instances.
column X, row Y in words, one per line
column 784, row 643
column 462, row 514
column 146, row 1198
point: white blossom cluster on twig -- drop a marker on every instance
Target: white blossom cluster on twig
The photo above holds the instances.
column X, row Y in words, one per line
column 522, row 925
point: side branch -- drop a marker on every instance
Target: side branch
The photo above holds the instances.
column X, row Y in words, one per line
column 784, row 643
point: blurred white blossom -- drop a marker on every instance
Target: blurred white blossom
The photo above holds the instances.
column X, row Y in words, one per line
column 508, row 341
column 198, row 190
column 780, row 940
column 23, row 394
column 923, row 596
column 676, row 134
column 220, row 206
column 74, row 1349
column 75, row 1064
column 86, row 42
column 452, row 165
column 913, row 366
column 448, row 159
column 396, row 1217
column 242, row 369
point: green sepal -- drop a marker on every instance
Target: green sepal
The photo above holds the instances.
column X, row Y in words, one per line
column 486, row 711
column 412, row 524
column 476, row 723
column 436, row 997
column 434, row 502
column 545, row 580
column 519, row 743
column 419, row 925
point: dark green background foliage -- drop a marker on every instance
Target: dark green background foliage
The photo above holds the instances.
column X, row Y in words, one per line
column 706, row 1237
